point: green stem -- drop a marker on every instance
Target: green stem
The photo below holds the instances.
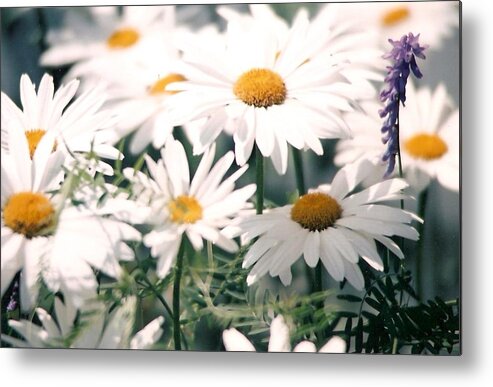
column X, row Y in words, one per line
column 260, row 180
column 298, row 170
column 423, row 198
column 158, row 295
column 176, row 296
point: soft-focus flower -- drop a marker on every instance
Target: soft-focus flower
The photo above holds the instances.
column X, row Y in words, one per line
column 429, row 137
column 80, row 126
column 279, row 341
column 403, row 56
column 48, row 238
column 331, row 224
column 436, row 20
column 105, row 37
column 198, row 209
column 94, row 328
column 265, row 91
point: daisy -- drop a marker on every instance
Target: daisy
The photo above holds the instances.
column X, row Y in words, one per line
column 198, row 209
column 279, row 341
column 105, row 37
column 138, row 94
column 428, row 133
column 80, row 127
column 96, row 328
column 330, row 224
column 265, row 92
column 46, row 237
column 434, row 20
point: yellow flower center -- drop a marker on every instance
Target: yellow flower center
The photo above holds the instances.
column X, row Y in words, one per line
column 260, row 88
column 28, row 213
column 316, row 211
column 159, row 87
column 425, row 146
column 185, row 209
column 34, row 136
column 395, row 16
column 123, row 38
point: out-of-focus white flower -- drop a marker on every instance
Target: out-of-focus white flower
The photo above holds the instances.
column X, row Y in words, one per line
column 105, row 37
column 198, row 209
column 279, row 341
column 93, row 328
column 428, row 134
column 433, row 20
column 79, row 127
column 45, row 237
column 329, row 224
column 266, row 91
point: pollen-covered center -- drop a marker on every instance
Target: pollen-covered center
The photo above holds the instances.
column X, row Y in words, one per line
column 395, row 16
column 185, row 209
column 34, row 136
column 123, row 38
column 425, row 146
column 260, row 88
column 316, row 211
column 159, row 87
column 28, row 213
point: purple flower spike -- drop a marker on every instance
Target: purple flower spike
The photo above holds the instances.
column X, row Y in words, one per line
column 403, row 55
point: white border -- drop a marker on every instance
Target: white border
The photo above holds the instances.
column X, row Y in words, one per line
column 474, row 368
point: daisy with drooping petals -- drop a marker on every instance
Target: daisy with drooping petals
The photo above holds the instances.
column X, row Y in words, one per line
column 78, row 127
column 434, row 20
column 199, row 209
column 47, row 238
column 265, row 92
column 94, row 329
column 279, row 341
column 428, row 134
column 138, row 93
column 103, row 38
column 331, row 225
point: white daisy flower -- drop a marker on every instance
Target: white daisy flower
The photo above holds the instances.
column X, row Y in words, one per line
column 433, row 20
column 94, row 328
column 78, row 127
column 342, row 37
column 47, row 238
column 279, row 341
column 198, row 209
column 265, row 91
column 138, row 96
column 428, row 133
column 106, row 37
column 330, row 224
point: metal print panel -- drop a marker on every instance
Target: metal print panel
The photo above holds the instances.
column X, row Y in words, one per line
column 262, row 177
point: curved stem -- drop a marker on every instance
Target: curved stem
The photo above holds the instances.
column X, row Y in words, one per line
column 176, row 297
column 423, row 198
column 259, row 159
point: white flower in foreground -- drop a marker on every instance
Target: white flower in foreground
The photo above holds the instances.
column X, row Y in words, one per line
column 94, row 328
column 433, row 20
column 428, row 133
column 105, row 37
column 330, row 224
column 47, row 238
column 279, row 341
column 77, row 127
column 264, row 91
column 199, row 209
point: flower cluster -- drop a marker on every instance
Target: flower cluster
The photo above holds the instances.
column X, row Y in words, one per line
column 127, row 187
column 403, row 55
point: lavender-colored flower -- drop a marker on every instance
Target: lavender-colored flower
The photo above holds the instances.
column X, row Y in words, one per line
column 403, row 55
column 12, row 305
